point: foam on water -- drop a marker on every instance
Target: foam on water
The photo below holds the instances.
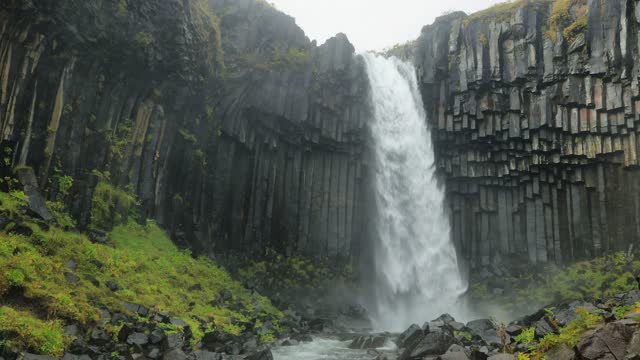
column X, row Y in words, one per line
column 417, row 276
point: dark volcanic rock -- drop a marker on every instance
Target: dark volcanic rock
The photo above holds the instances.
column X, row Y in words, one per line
column 262, row 355
column 433, row 343
column 608, row 341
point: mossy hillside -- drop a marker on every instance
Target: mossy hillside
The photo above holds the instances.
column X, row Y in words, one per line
column 145, row 263
column 278, row 272
column 598, row 278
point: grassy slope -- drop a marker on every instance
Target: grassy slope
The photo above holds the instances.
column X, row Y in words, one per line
column 144, row 262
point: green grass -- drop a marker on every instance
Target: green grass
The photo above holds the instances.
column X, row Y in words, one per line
column 30, row 333
column 279, row 272
column 151, row 270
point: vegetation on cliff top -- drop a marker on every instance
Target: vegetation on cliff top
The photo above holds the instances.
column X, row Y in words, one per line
column 568, row 17
column 50, row 277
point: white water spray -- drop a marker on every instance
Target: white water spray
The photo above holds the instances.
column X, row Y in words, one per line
column 417, row 275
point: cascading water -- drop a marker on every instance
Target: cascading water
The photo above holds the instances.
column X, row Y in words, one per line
column 417, row 275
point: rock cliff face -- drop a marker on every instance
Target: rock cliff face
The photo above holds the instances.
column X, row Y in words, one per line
column 235, row 133
column 536, row 126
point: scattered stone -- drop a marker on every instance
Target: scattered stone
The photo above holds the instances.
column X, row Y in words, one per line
column 71, row 265
column 561, row 352
column 69, row 356
column 175, row 354
column 206, row 355
column 113, row 286
column 28, row 356
column 262, row 355
column 154, row 353
column 409, row 336
column 137, row 339
column 98, row 236
column 433, row 343
column 156, row 337
column 99, row 337
column 608, row 341
column 71, row 278
column 92, row 280
column 290, row 342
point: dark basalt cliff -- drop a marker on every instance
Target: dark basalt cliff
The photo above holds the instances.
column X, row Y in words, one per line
column 536, row 128
column 235, row 133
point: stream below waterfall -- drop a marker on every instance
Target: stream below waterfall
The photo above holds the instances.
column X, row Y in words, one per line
column 327, row 349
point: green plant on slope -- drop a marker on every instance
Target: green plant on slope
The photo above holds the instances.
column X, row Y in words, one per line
column 28, row 332
column 110, row 206
column 151, row 270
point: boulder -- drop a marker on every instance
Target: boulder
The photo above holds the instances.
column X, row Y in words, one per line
column 502, row 357
column 409, row 336
column 205, row 355
column 175, row 354
column 69, row 356
column 485, row 329
column 262, row 355
column 633, row 349
column 562, row 352
column 433, row 343
column 28, row 356
column 37, row 202
column 607, row 342
column 71, row 278
column 137, row 338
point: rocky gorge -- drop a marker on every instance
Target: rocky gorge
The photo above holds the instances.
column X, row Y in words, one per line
column 220, row 123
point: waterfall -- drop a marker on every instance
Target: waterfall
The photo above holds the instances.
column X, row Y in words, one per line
column 417, row 276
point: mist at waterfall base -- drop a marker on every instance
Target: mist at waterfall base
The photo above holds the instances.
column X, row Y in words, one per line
column 416, row 269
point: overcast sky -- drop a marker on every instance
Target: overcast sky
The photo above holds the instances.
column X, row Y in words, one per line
column 371, row 24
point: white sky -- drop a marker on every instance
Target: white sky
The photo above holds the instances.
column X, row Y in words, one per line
column 372, row 24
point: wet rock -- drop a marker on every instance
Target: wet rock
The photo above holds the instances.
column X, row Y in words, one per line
column 608, row 341
column 485, row 329
column 543, row 327
column 69, row 356
column 206, row 355
column 290, row 342
column 433, row 343
column 139, row 339
column 156, row 336
column 174, row 341
column 262, row 355
column 502, row 357
column 99, row 337
column 410, row 336
column 154, row 353
column 368, row 342
column 562, row 352
column 29, row 356
column 175, row 354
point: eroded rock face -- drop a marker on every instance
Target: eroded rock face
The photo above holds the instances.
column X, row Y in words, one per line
column 235, row 137
column 536, row 139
